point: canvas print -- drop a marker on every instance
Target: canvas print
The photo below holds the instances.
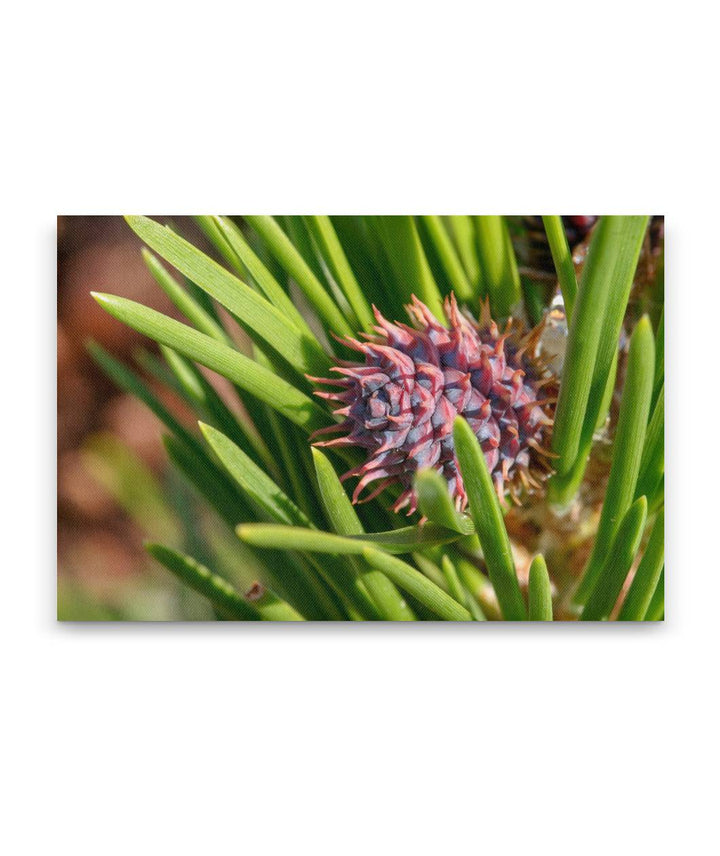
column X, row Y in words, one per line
column 361, row 418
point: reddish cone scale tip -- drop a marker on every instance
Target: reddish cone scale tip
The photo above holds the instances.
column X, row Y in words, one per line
column 401, row 403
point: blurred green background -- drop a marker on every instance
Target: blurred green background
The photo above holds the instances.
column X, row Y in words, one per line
column 114, row 485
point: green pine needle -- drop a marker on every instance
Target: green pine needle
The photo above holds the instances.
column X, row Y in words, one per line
column 616, row 564
column 562, row 258
column 399, row 541
column 417, row 585
column 410, row 265
column 627, row 449
column 656, row 610
column 641, row 591
column 539, row 591
column 263, row 320
column 403, row 575
column 652, row 465
column 244, row 372
column 252, row 480
column 196, row 314
column 594, row 329
column 343, row 519
column 322, row 230
column 223, row 596
column 449, row 258
column 289, row 257
column 498, row 265
column 435, row 503
column 489, row 525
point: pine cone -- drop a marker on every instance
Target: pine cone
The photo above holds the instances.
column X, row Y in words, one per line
column 401, row 403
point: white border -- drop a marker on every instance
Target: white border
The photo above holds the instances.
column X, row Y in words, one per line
column 187, row 739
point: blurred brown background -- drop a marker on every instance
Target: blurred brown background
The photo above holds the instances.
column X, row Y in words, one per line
column 101, row 563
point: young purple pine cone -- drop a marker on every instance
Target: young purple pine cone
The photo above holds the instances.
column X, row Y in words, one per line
column 401, row 403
